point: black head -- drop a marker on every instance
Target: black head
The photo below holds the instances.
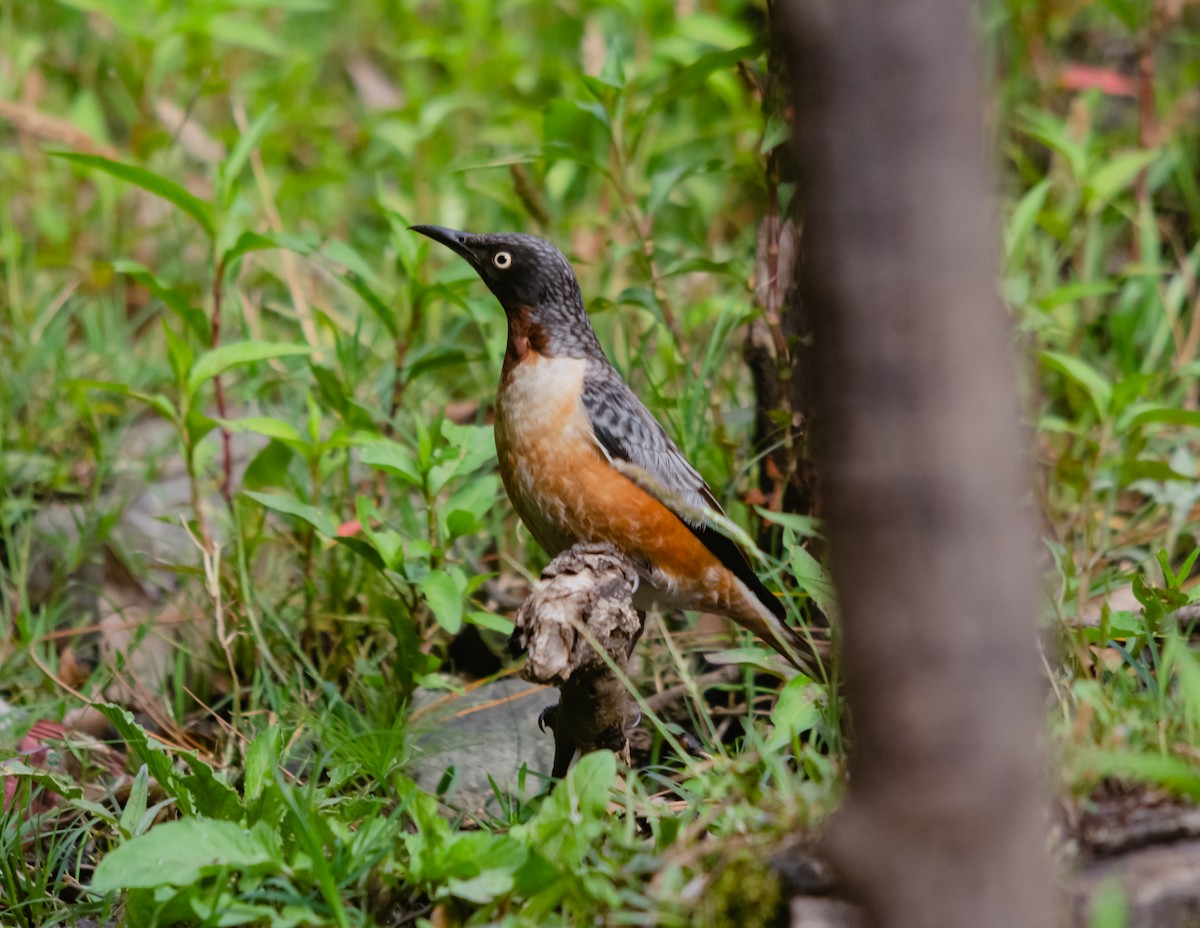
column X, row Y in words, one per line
column 533, row 281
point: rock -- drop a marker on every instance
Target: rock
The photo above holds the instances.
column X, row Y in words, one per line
column 490, row 731
column 1161, row 886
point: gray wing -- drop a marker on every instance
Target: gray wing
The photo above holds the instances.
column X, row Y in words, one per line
column 626, row 430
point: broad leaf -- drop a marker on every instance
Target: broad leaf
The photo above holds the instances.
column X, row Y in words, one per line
column 157, row 401
column 267, row 426
column 392, row 457
column 445, row 600
column 151, row 183
column 1086, row 376
column 322, row 521
column 1168, row 416
column 263, row 241
column 219, row 360
column 796, row 712
column 180, row 853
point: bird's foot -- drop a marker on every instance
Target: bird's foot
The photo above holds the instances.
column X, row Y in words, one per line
column 692, row 745
column 546, row 717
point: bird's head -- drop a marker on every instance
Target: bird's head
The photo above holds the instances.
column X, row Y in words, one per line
column 533, row 281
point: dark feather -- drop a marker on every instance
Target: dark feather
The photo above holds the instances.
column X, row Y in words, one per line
column 627, row 431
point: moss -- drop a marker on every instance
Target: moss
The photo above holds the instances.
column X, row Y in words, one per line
column 747, row 894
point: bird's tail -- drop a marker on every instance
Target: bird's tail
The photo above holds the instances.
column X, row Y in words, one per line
column 804, row 651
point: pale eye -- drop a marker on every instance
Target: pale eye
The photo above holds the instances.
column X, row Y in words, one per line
column 502, row 260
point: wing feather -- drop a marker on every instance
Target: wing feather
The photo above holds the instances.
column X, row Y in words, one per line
column 625, row 429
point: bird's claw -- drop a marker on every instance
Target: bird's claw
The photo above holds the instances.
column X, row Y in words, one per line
column 692, row 745
column 546, row 717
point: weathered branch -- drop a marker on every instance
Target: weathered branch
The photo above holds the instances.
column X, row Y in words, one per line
column 585, row 596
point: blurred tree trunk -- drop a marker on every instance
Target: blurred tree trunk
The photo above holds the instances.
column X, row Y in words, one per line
column 923, row 475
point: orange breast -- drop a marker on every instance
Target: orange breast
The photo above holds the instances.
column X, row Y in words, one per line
column 566, row 491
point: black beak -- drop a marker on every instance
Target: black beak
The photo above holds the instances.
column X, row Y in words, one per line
column 455, row 241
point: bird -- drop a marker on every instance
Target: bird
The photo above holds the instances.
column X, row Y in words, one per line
column 571, row 436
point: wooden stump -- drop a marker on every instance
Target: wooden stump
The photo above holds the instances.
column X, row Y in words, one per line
column 585, row 593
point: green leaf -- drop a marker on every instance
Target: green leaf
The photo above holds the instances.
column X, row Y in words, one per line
column 1086, row 376
column 1023, row 220
column 1118, row 625
column 388, row 545
column 322, row 521
column 775, row 134
column 193, row 317
column 495, row 623
column 432, row 358
column 588, row 784
column 47, row 779
column 243, row 32
column 162, row 768
column 760, row 657
column 210, row 791
column 267, row 426
column 1131, row 13
column 475, row 497
column 354, row 263
column 1078, row 290
column 198, row 425
column 577, row 131
column 262, row 756
column 693, row 77
column 363, row 549
column 1171, row 772
column 804, row 526
column 797, row 711
column 482, row 889
column 382, row 311
column 151, row 183
column 228, row 174
column 180, row 853
column 135, row 805
column 459, row 522
column 212, row 363
column 663, row 183
column 56, row 783
column 575, row 814
column 1166, row 415
column 476, row 444
column 444, row 598
column 263, row 241
column 178, row 351
column 269, row 467
column 812, row 578
column 1116, row 174
column 1151, row 469
column 1052, row 132
column 156, row 401
column 1185, row 569
column 393, row 458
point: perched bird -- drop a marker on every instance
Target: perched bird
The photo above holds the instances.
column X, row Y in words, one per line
column 564, row 416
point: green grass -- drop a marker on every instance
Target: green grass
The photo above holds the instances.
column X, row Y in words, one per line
column 283, row 741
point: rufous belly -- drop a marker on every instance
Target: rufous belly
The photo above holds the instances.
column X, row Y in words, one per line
column 565, row 491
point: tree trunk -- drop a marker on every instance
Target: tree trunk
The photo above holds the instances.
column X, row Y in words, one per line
column 922, row 468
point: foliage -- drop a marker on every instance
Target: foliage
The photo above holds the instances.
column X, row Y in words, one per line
column 206, row 228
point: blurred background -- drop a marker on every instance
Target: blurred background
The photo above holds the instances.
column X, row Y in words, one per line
column 247, row 480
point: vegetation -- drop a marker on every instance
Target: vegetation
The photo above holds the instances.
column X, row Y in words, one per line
column 208, row 279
